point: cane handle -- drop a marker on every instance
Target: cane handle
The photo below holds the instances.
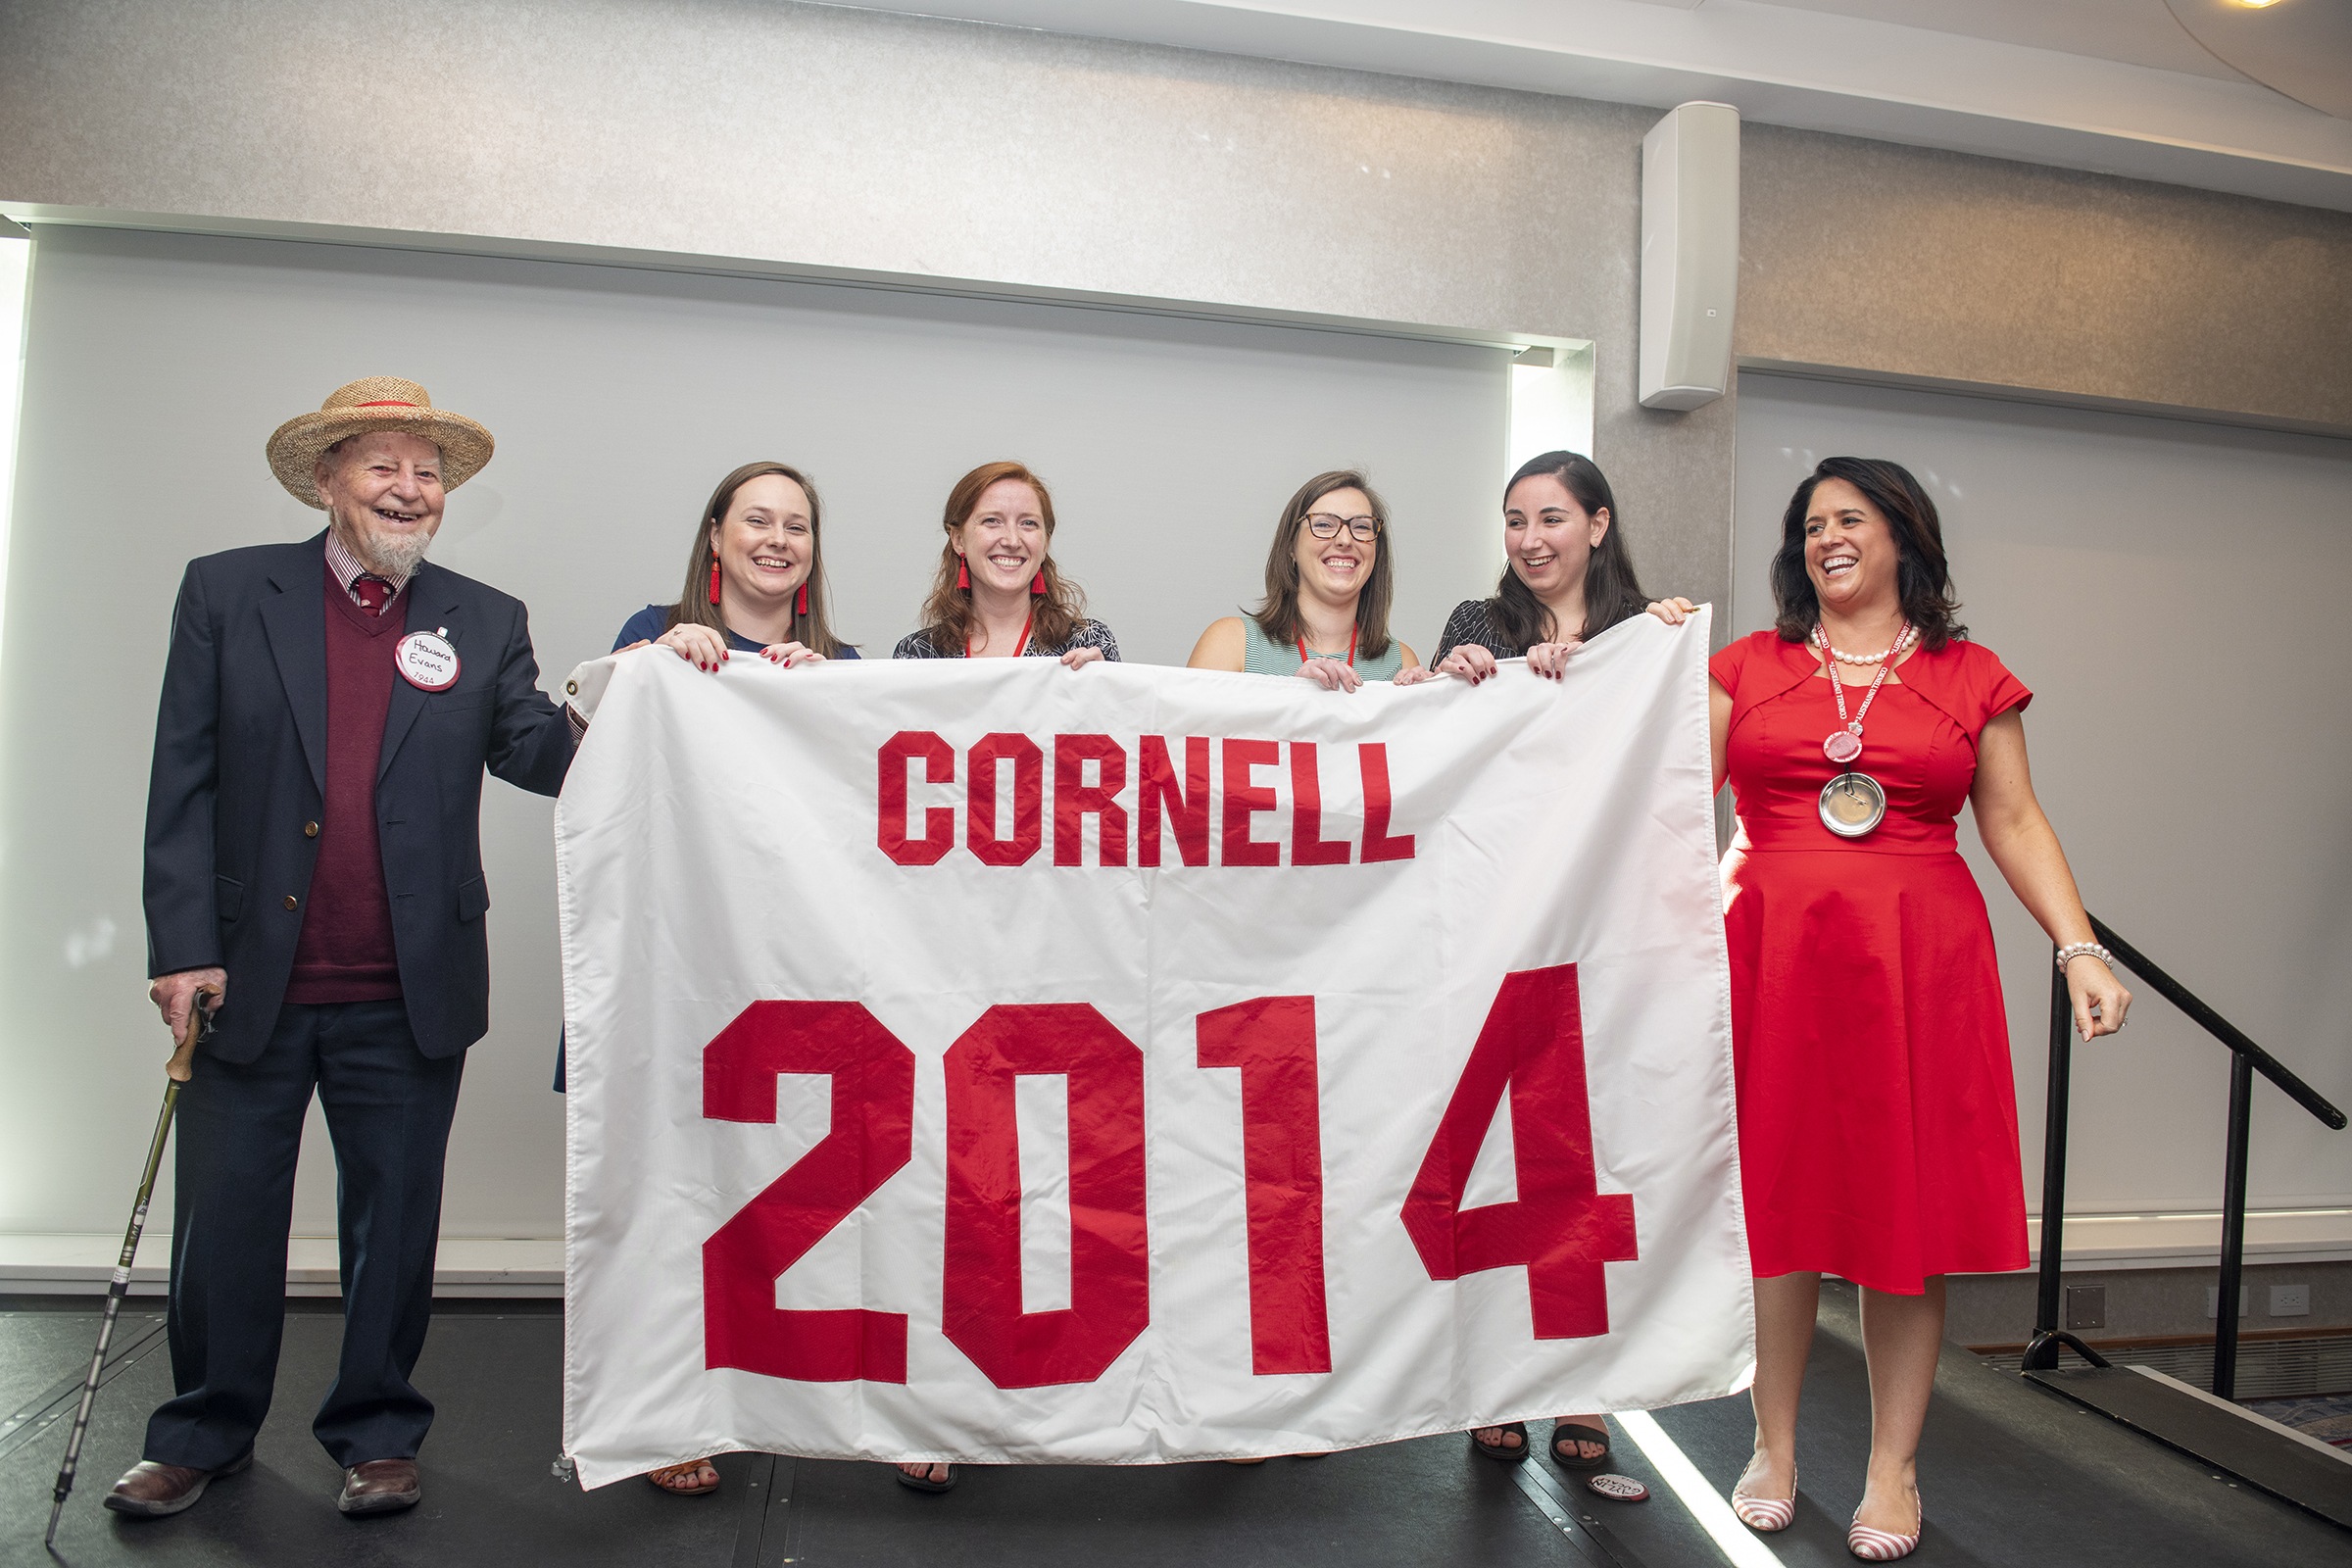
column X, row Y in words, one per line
column 183, row 1065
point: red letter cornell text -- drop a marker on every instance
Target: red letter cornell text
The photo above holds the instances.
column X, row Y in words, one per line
column 889, row 795
column 1075, row 799
column 1245, row 799
column 1373, row 759
column 1028, row 800
column 1308, row 845
column 1186, row 805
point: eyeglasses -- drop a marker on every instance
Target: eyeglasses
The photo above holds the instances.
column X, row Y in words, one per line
column 1327, row 525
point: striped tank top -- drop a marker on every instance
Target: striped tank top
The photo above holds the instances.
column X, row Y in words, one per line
column 1261, row 655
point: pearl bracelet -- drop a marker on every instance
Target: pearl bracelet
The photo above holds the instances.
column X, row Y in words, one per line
column 2068, row 955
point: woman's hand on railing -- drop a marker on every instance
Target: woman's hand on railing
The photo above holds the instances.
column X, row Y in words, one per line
column 2099, row 998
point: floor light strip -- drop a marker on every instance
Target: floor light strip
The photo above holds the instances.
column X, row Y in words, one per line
column 1705, row 1504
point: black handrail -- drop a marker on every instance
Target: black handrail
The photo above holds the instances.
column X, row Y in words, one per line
column 2245, row 1059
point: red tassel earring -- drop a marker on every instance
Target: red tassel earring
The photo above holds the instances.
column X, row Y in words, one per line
column 800, row 605
column 963, row 573
column 714, row 576
column 1037, row 585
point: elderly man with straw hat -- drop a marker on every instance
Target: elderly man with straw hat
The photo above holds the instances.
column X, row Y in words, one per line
column 314, row 875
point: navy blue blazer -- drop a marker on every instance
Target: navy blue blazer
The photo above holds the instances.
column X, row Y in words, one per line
column 240, row 767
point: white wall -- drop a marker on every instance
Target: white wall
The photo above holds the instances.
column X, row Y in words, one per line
column 2172, row 594
column 846, row 140
column 158, row 365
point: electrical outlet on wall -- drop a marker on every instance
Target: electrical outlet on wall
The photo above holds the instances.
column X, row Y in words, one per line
column 2290, row 1300
column 2212, row 1301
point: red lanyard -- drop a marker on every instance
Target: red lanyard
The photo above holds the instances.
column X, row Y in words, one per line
column 1304, row 655
column 1023, row 647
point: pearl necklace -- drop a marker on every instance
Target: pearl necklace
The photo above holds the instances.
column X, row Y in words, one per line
column 1903, row 640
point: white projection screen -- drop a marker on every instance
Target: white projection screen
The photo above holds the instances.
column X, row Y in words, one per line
column 156, row 365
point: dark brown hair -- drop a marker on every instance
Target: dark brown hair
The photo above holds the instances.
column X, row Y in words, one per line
column 1613, row 592
column 947, row 612
column 1923, row 577
column 694, row 606
column 1278, row 615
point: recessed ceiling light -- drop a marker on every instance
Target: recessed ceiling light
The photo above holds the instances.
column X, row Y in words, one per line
column 2257, row 4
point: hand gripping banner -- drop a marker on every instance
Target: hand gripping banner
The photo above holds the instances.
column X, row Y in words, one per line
column 1002, row 1063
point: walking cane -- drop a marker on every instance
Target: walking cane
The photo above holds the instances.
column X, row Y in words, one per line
column 200, row 1029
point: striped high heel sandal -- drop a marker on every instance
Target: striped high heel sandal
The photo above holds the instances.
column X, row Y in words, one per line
column 1885, row 1546
column 1764, row 1515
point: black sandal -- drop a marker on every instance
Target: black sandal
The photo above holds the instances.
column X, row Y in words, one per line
column 925, row 1482
column 1577, row 1431
column 1496, row 1450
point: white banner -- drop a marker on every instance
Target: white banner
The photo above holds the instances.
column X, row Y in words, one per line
column 1000, row 1062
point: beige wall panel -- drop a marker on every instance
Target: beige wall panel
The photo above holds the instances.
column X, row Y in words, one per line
column 855, row 140
column 1933, row 264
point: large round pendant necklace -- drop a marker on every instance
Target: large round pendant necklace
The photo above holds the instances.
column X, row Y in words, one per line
column 1852, row 805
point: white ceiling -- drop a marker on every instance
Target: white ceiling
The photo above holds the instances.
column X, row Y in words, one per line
column 2131, row 32
column 2119, row 87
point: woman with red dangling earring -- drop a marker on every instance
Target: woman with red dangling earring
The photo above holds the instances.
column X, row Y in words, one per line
column 755, row 584
column 997, row 593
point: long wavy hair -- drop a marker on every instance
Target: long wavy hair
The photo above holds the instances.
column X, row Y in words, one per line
column 1923, row 576
column 1278, row 615
column 1612, row 591
column 947, row 612
column 814, row 626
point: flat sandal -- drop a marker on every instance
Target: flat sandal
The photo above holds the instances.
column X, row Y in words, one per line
column 653, row 1477
column 1578, row 1432
column 1499, row 1451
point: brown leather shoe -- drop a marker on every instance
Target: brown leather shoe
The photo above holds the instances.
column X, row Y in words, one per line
column 149, row 1489
column 379, row 1486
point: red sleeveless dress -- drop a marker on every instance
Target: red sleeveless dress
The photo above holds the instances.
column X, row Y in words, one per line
column 1877, row 1118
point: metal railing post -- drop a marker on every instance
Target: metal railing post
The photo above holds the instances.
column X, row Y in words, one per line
column 2233, row 1228
column 2042, row 1354
column 2245, row 1059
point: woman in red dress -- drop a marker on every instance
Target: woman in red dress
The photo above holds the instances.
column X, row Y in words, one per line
column 1878, row 1121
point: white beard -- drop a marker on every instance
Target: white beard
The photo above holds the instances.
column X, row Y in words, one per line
column 398, row 556
column 392, row 557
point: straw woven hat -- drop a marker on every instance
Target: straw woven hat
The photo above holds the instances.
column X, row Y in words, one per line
column 375, row 403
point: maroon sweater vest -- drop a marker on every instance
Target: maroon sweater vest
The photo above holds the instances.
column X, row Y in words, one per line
column 345, row 953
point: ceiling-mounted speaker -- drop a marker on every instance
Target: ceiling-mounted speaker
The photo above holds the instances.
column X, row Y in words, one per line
column 1689, row 255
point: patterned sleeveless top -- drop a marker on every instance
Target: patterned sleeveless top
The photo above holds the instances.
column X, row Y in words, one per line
column 1261, row 655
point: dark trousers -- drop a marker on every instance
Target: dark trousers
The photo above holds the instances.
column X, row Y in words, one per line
column 388, row 1109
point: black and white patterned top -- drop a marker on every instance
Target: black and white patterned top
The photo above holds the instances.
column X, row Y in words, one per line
column 1087, row 634
column 1470, row 623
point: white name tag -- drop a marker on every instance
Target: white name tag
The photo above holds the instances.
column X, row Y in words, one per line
column 428, row 662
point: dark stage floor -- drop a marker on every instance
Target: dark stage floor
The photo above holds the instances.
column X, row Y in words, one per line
column 2013, row 1475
